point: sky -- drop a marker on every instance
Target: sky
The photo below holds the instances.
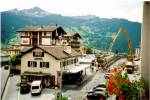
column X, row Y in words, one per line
column 128, row 9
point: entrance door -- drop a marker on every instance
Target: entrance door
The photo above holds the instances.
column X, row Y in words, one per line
column 34, row 41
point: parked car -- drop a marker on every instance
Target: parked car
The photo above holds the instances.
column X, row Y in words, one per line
column 102, row 85
column 97, row 92
column 24, row 88
column 36, row 87
column 96, row 96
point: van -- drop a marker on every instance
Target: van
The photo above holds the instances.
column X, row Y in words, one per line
column 36, row 87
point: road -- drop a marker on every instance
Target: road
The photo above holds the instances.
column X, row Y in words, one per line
column 11, row 91
column 80, row 92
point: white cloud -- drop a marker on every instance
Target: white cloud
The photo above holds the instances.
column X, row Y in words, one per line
column 129, row 9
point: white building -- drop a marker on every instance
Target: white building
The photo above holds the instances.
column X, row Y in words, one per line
column 45, row 63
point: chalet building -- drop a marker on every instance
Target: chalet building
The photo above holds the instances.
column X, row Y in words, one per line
column 73, row 40
column 48, row 50
column 41, row 35
column 45, row 63
column 14, row 50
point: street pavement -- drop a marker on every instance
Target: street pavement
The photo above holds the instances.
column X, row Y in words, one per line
column 12, row 91
column 80, row 92
column 4, row 76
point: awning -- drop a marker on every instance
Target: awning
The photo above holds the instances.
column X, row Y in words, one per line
column 78, row 68
column 36, row 73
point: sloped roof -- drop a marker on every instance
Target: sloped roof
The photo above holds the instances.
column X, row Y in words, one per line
column 70, row 34
column 55, row 51
column 39, row 28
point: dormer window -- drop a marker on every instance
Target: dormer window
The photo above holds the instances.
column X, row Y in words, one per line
column 38, row 54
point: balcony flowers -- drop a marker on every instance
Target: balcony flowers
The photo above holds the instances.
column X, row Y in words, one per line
column 121, row 86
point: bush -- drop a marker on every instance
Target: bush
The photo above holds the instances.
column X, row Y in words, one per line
column 89, row 50
column 62, row 98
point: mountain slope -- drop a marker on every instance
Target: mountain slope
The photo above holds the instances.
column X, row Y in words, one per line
column 96, row 32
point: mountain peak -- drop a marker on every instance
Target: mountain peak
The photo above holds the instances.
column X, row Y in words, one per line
column 36, row 8
column 86, row 17
column 33, row 12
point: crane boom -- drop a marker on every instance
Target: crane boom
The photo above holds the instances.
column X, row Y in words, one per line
column 128, row 40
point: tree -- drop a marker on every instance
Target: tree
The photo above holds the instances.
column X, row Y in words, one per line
column 89, row 50
column 15, row 60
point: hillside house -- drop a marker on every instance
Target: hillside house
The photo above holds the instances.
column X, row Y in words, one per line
column 73, row 39
column 41, row 35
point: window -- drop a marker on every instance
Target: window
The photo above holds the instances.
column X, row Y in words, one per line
column 44, row 33
column 64, row 64
column 32, row 64
column 38, row 54
column 26, row 34
column 44, row 64
column 74, row 60
column 67, row 62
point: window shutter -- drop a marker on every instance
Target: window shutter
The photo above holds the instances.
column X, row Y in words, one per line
column 33, row 53
column 35, row 64
column 47, row 65
column 40, row 64
column 28, row 63
column 42, row 54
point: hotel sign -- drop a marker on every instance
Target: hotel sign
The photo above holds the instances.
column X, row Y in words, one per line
column 38, row 58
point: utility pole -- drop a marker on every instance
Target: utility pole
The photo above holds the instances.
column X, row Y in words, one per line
column 60, row 95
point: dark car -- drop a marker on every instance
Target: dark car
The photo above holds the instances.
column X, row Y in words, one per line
column 97, row 92
column 96, row 96
column 103, row 85
column 24, row 88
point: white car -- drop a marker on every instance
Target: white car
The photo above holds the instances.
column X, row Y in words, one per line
column 36, row 87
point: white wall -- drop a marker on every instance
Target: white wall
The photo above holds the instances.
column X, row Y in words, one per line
column 46, row 41
column 145, row 58
column 53, row 68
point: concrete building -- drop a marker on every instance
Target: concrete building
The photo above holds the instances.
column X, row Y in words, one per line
column 145, row 46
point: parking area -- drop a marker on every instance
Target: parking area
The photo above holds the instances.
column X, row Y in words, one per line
column 12, row 92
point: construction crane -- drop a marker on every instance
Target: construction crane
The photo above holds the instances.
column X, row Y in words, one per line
column 130, row 64
column 130, row 55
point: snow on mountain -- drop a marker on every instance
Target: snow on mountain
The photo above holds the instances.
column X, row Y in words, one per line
column 33, row 12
